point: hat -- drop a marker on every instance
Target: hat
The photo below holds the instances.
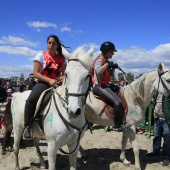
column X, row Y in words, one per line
column 108, row 46
column 9, row 90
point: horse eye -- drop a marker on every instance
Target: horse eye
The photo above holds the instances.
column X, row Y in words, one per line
column 87, row 76
column 168, row 80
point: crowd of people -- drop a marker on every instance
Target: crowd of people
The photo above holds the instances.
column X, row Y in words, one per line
column 7, row 89
column 49, row 67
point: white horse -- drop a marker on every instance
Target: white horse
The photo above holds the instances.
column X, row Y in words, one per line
column 64, row 121
column 138, row 95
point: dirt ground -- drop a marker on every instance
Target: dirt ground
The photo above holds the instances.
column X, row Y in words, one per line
column 103, row 150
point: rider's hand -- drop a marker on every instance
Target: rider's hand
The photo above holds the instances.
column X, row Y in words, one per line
column 52, row 82
column 115, row 65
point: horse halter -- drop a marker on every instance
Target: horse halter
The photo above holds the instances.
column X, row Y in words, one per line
column 77, row 94
column 163, row 83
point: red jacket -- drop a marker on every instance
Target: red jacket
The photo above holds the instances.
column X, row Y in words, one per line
column 106, row 73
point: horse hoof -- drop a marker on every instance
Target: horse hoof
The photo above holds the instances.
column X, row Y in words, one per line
column 11, row 150
column 3, row 152
column 126, row 162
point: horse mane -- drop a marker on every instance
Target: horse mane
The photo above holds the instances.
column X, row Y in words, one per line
column 84, row 58
column 135, row 86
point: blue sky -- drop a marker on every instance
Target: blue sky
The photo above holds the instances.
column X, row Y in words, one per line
column 140, row 30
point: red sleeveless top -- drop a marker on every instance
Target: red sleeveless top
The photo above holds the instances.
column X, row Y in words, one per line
column 106, row 77
column 54, row 65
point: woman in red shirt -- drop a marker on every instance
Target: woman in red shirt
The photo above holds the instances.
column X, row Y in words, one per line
column 48, row 68
column 102, row 87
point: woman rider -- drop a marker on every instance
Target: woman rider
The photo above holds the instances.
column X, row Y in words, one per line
column 49, row 65
column 102, row 87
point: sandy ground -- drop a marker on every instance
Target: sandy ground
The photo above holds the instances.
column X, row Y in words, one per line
column 103, row 151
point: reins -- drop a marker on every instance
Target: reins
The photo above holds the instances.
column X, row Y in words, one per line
column 78, row 94
column 66, row 123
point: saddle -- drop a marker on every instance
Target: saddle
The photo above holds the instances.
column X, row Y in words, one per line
column 109, row 110
column 41, row 110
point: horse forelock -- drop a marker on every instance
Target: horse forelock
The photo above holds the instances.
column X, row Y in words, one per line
column 84, row 58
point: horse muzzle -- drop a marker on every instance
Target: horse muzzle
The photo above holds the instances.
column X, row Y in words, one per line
column 73, row 113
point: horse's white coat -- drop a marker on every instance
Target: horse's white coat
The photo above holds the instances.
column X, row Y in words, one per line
column 55, row 131
column 138, row 95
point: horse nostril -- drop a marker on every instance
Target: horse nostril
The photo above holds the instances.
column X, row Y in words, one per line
column 78, row 111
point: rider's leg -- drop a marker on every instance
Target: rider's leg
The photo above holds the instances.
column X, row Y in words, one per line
column 112, row 99
column 114, row 89
column 28, row 115
column 30, row 107
column 118, row 108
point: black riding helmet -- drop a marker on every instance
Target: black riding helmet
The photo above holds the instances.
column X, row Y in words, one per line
column 107, row 46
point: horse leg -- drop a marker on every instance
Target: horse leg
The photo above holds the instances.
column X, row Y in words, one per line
column 82, row 152
column 41, row 159
column 52, row 154
column 73, row 156
column 17, row 137
column 133, row 140
column 124, row 143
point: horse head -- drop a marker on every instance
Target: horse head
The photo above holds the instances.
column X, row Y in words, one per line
column 162, row 84
column 77, row 78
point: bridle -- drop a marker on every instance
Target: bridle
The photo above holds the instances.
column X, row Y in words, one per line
column 67, row 95
column 67, row 124
column 163, row 83
column 164, row 86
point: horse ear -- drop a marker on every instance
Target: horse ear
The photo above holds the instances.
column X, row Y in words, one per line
column 65, row 53
column 90, row 52
column 161, row 68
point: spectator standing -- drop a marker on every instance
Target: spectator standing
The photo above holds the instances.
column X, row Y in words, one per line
column 122, row 83
column 3, row 93
column 9, row 95
column 161, row 129
column 31, row 81
column 6, row 87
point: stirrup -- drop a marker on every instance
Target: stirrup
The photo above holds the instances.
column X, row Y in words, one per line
column 121, row 128
column 27, row 134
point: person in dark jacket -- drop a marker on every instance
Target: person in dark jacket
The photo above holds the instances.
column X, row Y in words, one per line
column 3, row 93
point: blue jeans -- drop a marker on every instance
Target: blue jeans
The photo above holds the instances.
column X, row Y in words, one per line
column 161, row 129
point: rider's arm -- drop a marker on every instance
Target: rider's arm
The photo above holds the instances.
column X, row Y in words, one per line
column 99, row 67
column 37, row 74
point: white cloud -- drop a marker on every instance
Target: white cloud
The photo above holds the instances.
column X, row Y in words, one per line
column 18, row 50
column 13, row 40
column 134, row 59
column 41, row 24
column 137, row 60
column 9, row 71
column 65, row 28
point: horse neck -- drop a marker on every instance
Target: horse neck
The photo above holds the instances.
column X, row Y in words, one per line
column 142, row 90
column 149, row 90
